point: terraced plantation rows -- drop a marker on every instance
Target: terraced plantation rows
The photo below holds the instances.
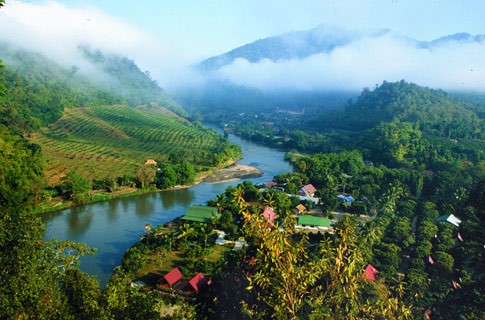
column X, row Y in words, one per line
column 107, row 142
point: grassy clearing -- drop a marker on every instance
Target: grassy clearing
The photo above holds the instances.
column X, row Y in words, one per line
column 111, row 141
column 158, row 265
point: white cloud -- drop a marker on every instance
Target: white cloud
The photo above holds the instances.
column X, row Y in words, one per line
column 367, row 62
column 56, row 30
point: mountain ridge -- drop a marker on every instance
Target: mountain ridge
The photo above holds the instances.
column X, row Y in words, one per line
column 321, row 39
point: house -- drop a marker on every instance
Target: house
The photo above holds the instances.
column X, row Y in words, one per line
column 170, row 278
column 301, row 208
column 313, row 223
column 269, row 214
column 198, row 282
column 345, row 200
column 305, row 198
column 201, row 214
column 307, row 190
column 370, row 273
column 270, row 184
column 150, row 162
column 449, row 218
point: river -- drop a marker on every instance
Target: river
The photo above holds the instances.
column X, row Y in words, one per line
column 114, row 226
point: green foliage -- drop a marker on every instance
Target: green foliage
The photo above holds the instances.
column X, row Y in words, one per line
column 121, row 301
column 145, row 175
column 126, row 80
column 76, row 187
column 394, row 143
column 434, row 111
column 21, row 175
column 83, row 294
column 135, row 258
column 38, row 90
column 289, row 283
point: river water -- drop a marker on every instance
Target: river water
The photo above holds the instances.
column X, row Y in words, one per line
column 114, row 226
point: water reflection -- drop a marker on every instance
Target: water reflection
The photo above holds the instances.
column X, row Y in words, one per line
column 113, row 209
column 79, row 220
column 145, row 205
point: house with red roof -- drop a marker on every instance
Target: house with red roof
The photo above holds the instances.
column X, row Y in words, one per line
column 170, row 278
column 307, row 190
column 198, row 282
column 370, row 273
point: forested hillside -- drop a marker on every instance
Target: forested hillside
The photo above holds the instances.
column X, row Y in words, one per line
column 104, row 111
column 38, row 90
column 125, row 79
column 433, row 111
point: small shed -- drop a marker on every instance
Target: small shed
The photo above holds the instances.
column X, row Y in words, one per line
column 451, row 218
column 345, row 199
column 150, row 162
column 198, row 282
column 170, row 278
column 301, row 208
column 269, row 214
column 370, row 273
column 270, row 184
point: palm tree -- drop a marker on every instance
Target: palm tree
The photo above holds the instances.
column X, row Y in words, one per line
column 269, row 198
column 238, row 197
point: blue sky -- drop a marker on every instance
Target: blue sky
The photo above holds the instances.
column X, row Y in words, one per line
column 166, row 36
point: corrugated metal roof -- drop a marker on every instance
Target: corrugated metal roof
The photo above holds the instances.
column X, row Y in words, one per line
column 313, row 221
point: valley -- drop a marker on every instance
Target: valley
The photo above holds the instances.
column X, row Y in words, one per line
column 242, row 161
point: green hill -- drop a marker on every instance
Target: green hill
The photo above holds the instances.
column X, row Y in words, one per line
column 110, row 141
column 434, row 111
column 100, row 131
column 127, row 81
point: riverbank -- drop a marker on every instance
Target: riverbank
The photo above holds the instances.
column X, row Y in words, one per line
column 232, row 172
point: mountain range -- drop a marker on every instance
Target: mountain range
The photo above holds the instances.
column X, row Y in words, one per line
column 321, row 39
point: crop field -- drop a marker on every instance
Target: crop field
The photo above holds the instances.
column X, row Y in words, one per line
column 111, row 141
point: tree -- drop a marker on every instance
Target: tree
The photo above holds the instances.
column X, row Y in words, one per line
column 83, row 294
column 145, row 175
column 166, row 177
column 76, row 187
column 291, row 283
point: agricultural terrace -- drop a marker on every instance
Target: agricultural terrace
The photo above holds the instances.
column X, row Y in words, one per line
column 112, row 141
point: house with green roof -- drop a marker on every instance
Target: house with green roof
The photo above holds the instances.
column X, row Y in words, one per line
column 313, row 223
column 201, row 214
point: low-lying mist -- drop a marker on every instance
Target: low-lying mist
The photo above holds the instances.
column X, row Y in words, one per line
column 57, row 31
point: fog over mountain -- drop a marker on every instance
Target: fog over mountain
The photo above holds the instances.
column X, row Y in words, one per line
column 323, row 58
column 328, row 58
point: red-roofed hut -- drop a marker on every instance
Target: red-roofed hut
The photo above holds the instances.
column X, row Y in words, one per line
column 198, row 282
column 170, row 278
column 370, row 273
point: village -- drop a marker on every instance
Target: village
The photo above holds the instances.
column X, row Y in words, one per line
column 307, row 213
column 193, row 244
